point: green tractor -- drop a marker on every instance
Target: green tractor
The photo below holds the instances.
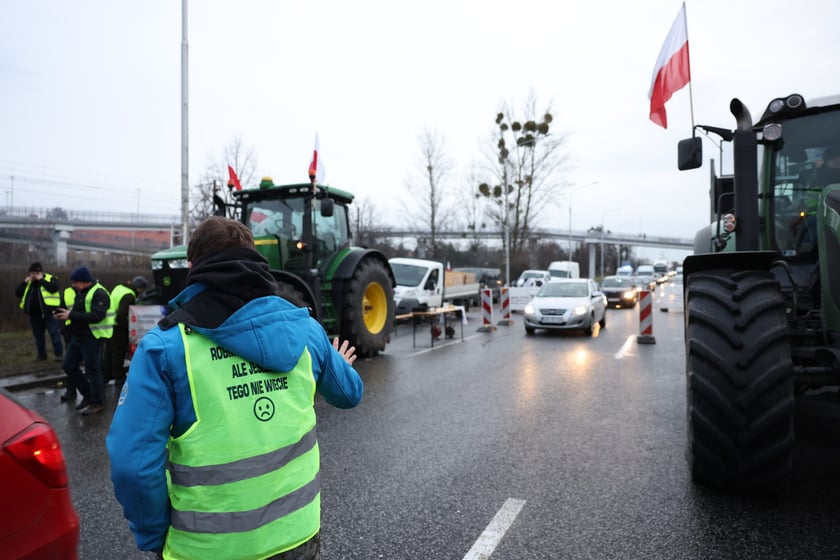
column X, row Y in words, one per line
column 303, row 230
column 762, row 296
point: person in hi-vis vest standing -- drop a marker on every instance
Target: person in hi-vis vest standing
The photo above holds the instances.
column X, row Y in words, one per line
column 39, row 296
column 90, row 323
column 213, row 445
column 123, row 296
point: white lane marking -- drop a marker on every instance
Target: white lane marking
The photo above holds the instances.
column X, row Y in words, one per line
column 487, row 541
column 442, row 344
column 626, row 346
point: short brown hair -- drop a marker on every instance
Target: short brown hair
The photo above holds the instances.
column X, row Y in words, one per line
column 216, row 233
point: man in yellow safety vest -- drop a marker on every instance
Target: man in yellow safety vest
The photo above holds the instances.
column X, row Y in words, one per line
column 39, row 296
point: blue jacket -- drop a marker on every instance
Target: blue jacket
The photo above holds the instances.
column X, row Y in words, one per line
column 155, row 403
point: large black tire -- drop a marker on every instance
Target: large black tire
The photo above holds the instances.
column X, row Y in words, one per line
column 739, row 381
column 368, row 308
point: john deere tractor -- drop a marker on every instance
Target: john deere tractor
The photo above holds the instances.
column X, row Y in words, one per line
column 303, row 230
column 762, row 296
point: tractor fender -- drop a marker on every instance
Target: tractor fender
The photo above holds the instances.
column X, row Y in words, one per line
column 737, row 260
column 349, row 264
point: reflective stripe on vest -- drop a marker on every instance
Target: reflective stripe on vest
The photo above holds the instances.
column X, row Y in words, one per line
column 105, row 327
column 243, row 479
column 51, row 299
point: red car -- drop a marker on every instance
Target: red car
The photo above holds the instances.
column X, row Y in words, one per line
column 37, row 517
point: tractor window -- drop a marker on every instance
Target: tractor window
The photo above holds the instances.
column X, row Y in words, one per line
column 275, row 217
column 331, row 232
column 797, row 172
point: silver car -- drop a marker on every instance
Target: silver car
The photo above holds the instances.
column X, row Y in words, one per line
column 565, row 304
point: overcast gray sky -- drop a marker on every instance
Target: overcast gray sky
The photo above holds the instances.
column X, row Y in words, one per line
column 90, row 93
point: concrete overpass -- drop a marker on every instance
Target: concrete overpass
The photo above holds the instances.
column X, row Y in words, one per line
column 56, row 229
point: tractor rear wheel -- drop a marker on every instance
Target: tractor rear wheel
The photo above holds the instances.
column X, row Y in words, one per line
column 739, row 380
column 368, row 308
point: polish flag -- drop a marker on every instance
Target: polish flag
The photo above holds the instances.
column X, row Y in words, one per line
column 672, row 71
column 316, row 167
column 234, row 180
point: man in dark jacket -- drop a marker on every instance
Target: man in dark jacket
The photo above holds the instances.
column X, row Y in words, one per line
column 39, row 296
column 123, row 296
column 90, row 323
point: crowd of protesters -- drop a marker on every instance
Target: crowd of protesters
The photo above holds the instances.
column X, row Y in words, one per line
column 87, row 326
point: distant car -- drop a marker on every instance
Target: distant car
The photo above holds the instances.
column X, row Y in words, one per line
column 530, row 278
column 646, row 282
column 487, row 278
column 566, row 304
column 37, row 517
column 672, row 295
column 620, row 291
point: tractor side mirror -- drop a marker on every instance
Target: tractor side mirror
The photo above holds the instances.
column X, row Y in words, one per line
column 327, row 207
column 690, row 153
column 219, row 206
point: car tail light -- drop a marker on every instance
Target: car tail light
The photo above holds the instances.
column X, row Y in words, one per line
column 38, row 450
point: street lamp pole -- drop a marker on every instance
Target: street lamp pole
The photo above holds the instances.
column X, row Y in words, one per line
column 603, row 234
column 576, row 187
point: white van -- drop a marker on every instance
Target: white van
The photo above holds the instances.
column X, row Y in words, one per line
column 564, row 269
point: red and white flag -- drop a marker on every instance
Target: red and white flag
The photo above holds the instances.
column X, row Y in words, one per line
column 672, row 71
column 316, row 167
column 233, row 181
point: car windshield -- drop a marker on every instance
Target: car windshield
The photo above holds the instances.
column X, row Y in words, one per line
column 563, row 289
column 616, row 283
column 407, row 274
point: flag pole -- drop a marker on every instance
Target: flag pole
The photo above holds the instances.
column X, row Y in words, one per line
column 690, row 91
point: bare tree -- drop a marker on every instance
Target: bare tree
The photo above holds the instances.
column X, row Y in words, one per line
column 368, row 230
column 214, row 179
column 473, row 207
column 427, row 188
column 525, row 167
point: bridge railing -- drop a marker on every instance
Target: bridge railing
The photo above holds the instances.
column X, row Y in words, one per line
column 61, row 215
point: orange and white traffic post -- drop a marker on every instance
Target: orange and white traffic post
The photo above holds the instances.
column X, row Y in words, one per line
column 486, row 311
column 646, row 319
column 504, row 304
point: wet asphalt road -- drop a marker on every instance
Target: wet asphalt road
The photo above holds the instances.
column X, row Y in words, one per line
column 588, row 432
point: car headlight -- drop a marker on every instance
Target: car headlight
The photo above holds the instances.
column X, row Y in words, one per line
column 529, row 309
column 629, row 294
column 579, row 310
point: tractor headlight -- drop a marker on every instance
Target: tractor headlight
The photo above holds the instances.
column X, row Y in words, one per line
column 772, row 131
column 179, row 263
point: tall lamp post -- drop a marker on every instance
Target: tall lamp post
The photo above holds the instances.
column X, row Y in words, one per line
column 576, row 188
column 603, row 234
